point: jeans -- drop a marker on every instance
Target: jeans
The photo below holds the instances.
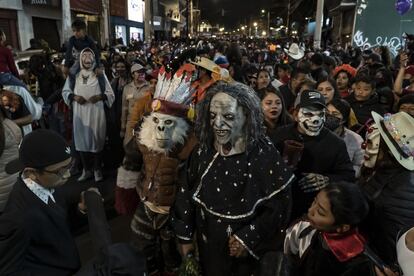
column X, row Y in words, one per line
column 8, row 78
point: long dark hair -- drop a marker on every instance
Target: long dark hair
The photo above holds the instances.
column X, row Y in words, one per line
column 247, row 98
column 348, row 204
column 333, row 84
column 284, row 118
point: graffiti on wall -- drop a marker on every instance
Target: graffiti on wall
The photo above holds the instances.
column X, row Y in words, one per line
column 393, row 43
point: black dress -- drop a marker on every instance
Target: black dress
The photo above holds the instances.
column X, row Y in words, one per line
column 246, row 195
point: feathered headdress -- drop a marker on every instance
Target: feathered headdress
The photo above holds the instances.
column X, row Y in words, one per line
column 173, row 93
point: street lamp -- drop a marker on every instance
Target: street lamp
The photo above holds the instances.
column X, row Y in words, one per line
column 264, row 33
column 255, row 24
column 243, row 28
column 263, row 11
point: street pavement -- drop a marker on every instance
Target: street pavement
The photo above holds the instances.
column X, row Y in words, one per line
column 79, row 223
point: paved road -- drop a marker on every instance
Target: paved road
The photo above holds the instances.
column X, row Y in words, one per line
column 79, row 223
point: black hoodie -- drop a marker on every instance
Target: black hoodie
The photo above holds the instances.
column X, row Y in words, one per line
column 363, row 109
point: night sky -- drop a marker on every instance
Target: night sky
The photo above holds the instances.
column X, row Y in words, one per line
column 237, row 12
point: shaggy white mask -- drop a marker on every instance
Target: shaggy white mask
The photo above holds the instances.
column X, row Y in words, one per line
column 311, row 121
column 228, row 121
column 161, row 132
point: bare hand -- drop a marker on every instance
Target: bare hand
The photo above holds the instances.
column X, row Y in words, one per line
column 95, row 99
column 79, row 99
column 236, row 248
column 65, row 71
column 403, row 60
column 82, row 205
column 98, row 71
column 387, row 272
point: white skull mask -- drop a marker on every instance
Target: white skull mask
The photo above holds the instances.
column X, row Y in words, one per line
column 311, row 120
column 228, row 120
column 371, row 146
column 161, row 132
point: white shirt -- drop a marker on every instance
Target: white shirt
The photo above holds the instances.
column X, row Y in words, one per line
column 42, row 193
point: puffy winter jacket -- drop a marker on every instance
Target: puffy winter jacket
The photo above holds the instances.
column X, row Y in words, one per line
column 391, row 194
column 13, row 137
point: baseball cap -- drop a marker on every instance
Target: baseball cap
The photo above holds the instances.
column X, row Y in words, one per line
column 311, row 98
column 39, row 149
column 137, row 67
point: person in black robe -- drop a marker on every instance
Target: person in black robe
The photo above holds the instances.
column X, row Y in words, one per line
column 235, row 193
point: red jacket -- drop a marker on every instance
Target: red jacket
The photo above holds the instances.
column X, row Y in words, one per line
column 7, row 62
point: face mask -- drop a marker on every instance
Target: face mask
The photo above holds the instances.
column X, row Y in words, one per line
column 228, row 122
column 332, row 122
column 371, row 147
column 311, row 121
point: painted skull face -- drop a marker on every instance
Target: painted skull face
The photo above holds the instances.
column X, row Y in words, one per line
column 311, row 120
column 164, row 129
column 227, row 119
column 371, row 147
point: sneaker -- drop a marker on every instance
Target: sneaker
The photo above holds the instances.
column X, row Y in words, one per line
column 98, row 175
column 85, row 176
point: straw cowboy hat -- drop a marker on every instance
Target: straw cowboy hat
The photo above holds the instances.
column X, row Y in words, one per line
column 219, row 73
column 295, row 51
column 397, row 130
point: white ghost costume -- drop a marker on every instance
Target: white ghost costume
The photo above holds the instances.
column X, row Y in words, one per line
column 89, row 121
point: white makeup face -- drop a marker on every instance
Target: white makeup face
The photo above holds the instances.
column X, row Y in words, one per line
column 227, row 120
column 371, row 147
column 311, row 120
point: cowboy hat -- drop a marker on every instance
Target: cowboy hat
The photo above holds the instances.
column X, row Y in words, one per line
column 207, row 64
column 295, row 51
column 397, row 130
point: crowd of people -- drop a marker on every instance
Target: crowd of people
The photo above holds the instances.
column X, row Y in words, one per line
column 233, row 157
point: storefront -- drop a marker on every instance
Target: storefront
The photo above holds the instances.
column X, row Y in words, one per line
column 41, row 20
column 9, row 20
column 90, row 11
column 127, row 20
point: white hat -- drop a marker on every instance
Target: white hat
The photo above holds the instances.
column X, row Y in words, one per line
column 295, row 51
column 136, row 67
column 397, row 130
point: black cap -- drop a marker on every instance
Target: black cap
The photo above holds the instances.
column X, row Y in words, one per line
column 311, row 98
column 39, row 149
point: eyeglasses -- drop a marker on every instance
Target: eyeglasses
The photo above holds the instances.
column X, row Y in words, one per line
column 60, row 172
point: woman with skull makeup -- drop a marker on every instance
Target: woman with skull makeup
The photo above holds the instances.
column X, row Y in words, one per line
column 322, row 157
column 233, row 198
column 387, row 179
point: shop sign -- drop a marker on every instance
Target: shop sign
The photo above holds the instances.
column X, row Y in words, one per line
column 41, row 2
column 136, row 10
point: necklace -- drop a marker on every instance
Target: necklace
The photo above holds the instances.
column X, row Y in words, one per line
column 85, row 78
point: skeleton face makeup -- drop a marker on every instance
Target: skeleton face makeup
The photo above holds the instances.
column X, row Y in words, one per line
column 227, row 119
column 371, row 146
column 311, row 120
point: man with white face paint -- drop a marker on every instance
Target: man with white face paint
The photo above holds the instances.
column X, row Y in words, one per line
column 324, row 157
column 235, row 198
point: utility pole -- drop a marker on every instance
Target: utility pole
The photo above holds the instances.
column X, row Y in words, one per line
column 66, row 21
column 319, row 23
column 187, row 18
column 288, row 18
column 268, row 23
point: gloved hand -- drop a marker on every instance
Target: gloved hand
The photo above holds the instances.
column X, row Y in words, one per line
column 313, row 182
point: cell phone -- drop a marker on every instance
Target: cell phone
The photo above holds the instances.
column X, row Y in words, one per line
column 374, row 258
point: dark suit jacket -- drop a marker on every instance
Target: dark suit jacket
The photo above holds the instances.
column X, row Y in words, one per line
column 35, row 238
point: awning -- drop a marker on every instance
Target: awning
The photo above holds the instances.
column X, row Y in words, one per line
column 89, row 6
